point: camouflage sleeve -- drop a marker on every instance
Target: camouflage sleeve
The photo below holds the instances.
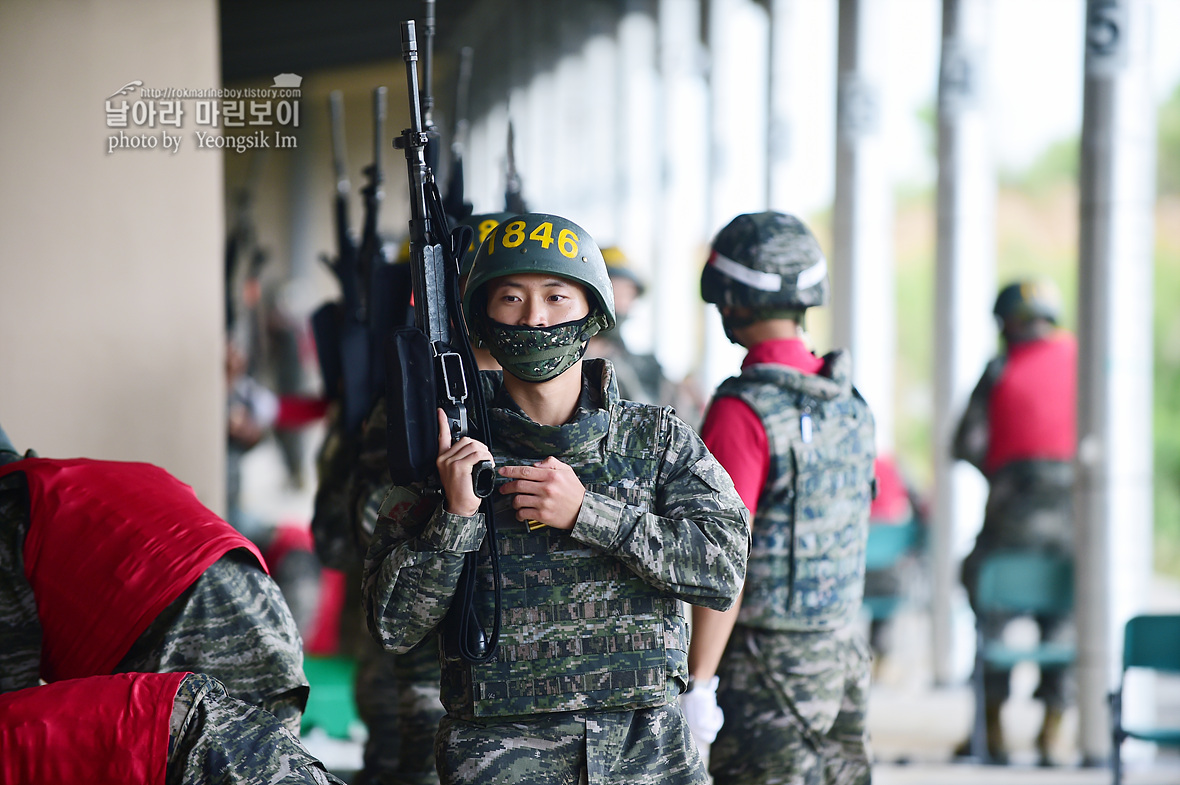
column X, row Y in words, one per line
column 413, row 566
column 695, row 543
column 370, row 479
column 336, row 461
column 20, row 627
column 974, row 431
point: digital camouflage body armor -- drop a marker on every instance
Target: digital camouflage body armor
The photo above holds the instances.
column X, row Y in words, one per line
column 591, row 618
column 611, row 640
column 807, row 560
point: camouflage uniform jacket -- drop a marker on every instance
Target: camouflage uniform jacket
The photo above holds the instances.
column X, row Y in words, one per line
column 591, row 617
column 807, row 560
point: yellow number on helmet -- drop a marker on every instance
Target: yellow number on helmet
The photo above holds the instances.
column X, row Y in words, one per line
column 567, row 243
column 485, row 228
column 513, row 234
column 543, row 234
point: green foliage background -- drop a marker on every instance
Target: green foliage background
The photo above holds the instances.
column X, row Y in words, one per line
column 1037, row 230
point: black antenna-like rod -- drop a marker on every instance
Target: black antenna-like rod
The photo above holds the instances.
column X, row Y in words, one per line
column 428, row 68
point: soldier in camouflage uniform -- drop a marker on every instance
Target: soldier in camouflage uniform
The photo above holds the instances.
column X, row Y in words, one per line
column 109, row 567
column 1019, row 430
column 611, row 513
column 639, row 376
column 789, row 666
column 155, row 729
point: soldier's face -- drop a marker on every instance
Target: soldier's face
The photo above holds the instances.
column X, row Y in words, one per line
column 536, row 300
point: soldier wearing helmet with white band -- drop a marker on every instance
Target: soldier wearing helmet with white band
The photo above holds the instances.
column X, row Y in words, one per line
column 789, row 666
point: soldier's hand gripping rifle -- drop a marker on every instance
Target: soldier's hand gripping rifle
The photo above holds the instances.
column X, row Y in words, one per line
column 431, row 366
column 341, row 335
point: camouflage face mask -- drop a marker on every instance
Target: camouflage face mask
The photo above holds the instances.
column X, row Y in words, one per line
column 538, row 354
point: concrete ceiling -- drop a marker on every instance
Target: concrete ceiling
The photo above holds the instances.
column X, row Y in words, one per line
column 266, row 37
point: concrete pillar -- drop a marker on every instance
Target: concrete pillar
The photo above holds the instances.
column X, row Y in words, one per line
column 965, row 286
column 1113, row 503
column 683, row 154
column 862, row 275
column 637, row 161
column 779, row 142
column 738, row 40
column 111, row 264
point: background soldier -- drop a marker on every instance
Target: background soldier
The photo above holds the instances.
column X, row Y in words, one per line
column 1020, row 430
column 109, row 567
column 627, row 513
column 639, row 376
column 798, row 441
column 149, row 729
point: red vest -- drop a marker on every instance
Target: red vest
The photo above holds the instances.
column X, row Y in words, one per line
column 104, row 730
column 109, row 546
column 1032, row 411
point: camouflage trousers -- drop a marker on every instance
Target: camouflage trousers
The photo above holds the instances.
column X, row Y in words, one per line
column 218, row 740
column 398, row 699
column 638, row 747
column 233, row 625
column 795, row 707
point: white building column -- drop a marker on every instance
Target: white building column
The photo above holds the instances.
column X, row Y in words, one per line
column 965, row 333
column 862, row 274
column 1113, row 502
column 738, row 40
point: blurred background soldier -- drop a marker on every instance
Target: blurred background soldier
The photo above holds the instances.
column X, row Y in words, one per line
column 791, row 663
column 147, row 729
column 1020, row 430
column 110, row 567
column 639, row 376
column 397, row 694
column 612, row 508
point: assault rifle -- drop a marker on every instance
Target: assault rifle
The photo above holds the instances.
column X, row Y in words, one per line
column 242, row 242
column 513, row 190
column 341, row 334
column 431, row 366
column 454, row 203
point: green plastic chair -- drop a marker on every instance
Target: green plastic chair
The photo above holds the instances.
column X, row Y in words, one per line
column 1018, row 583
column 331, row 704
column 887, row 545
column 1151, row 642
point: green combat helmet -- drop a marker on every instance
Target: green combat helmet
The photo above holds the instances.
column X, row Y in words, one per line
column 543, row 244
column 1023, row 301
column 482, row 224
column 619, row 266
column 768, row 263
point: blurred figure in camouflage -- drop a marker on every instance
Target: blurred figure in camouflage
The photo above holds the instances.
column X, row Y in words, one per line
column 397, row 695
column 1020, row 430
column 149, row 728
column 789, row 665
column 638, row 376
column 610, row 514
column 110, row 567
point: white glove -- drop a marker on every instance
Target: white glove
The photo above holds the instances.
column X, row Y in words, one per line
column 701, row 712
